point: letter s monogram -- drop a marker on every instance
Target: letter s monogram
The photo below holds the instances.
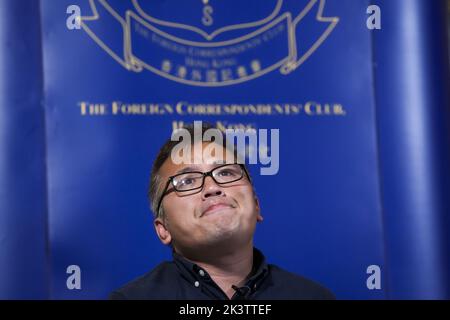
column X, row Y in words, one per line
column 207, row 16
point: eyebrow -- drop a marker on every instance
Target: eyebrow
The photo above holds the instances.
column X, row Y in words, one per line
column 187, row 169
column 196, row 168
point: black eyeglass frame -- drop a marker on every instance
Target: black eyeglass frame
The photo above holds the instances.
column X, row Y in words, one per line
column 205, row 174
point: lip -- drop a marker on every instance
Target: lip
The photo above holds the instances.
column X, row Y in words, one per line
column 214, row 207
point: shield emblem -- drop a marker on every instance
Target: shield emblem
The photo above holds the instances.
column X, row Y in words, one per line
column 157, row 35
column 209, row 18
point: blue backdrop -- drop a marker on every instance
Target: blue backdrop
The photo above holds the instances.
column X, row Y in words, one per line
column 364, row 136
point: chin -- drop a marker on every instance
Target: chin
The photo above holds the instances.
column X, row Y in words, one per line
column 224, row 234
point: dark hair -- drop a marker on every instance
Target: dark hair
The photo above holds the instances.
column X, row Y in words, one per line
column 155, row 188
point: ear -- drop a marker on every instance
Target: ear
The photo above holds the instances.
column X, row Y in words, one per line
column 162, row 231
column 259, row 217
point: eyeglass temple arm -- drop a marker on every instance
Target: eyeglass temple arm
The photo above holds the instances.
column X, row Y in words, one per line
column 162, row 195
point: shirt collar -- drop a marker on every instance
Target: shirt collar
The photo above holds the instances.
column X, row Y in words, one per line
column 193, row 272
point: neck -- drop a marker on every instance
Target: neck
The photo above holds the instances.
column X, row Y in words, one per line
column 229, row 268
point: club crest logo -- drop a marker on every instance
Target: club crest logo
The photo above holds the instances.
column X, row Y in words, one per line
column 209, row 42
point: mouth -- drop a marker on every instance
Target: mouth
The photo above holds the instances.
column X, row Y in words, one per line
column 215, row 208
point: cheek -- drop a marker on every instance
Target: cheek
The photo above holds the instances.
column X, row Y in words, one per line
column 245, row 199
column 180, row 210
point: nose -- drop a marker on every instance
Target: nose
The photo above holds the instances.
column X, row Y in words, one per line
column 211, row 189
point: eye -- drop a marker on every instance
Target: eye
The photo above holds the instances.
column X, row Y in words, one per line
column 227, row 172
column 185, row 182
column 224, row 173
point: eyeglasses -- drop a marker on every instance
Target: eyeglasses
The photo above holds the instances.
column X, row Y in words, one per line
column 194, row 180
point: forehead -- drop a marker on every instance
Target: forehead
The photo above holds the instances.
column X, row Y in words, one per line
column 203, row 157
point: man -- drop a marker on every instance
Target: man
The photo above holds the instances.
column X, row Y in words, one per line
column 207, row 211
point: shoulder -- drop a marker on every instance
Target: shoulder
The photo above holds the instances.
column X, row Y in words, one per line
column 293, row 286
column 155, row 284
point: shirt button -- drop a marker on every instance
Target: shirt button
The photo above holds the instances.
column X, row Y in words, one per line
column 196, row 283
column 202, row 273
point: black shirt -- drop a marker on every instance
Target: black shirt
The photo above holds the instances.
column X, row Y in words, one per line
column 181, row 279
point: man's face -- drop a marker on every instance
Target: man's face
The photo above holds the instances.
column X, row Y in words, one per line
column 216, row 215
